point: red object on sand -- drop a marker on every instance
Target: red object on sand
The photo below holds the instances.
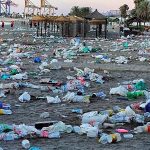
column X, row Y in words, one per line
column 12, row 24
column 122, row 130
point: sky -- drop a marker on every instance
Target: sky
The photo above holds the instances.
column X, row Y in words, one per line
column 64, row 6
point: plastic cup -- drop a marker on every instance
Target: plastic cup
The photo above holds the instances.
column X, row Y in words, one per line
column 25, row 144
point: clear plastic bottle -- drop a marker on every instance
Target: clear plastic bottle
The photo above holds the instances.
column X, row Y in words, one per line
column 54, row 135
column 128, row 136
column 103, row 138
column 5, row 112
column 139, row 129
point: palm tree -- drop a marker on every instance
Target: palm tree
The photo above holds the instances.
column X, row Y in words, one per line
column 75, row 11
column 143, row 11
column 137, row 3
column 123, row 9
column 85, row 11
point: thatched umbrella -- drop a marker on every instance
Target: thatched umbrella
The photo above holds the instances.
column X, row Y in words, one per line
column 61, row 20
column 75, row 19
column 39, row 19
column 96, row 18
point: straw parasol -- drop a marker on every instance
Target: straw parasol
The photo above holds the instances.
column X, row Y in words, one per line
column 61, row 19
column 38, row 18
column 97, row 22
column 75, row 19
column 51, row 18
column 96, row 15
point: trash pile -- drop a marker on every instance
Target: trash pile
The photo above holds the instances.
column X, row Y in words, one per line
column 33, row 78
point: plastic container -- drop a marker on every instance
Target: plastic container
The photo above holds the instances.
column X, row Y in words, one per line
column 69, row 128
column 25, row 144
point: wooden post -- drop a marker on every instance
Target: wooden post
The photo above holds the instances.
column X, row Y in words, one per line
column 100, row 29
column 54, row 27
column 41, row 28
column 62, row 29
column 96, row 31
column 45, row 26
column 38, row 29
column 106, row 29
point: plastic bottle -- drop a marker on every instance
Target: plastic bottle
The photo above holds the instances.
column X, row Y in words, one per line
column 134, row 95
column 25, row 144
column 5, row 112
column 77, row 129
column 128, row 136
column 103, row 139
column 119, row 118
column 54, row 135
column 99, row 94
column 147, row 128
column 139, row 129
column 14, row 72
column 77, row 110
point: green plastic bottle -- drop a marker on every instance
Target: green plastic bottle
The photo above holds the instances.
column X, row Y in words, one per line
column 134, row 95
column 14, row 72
